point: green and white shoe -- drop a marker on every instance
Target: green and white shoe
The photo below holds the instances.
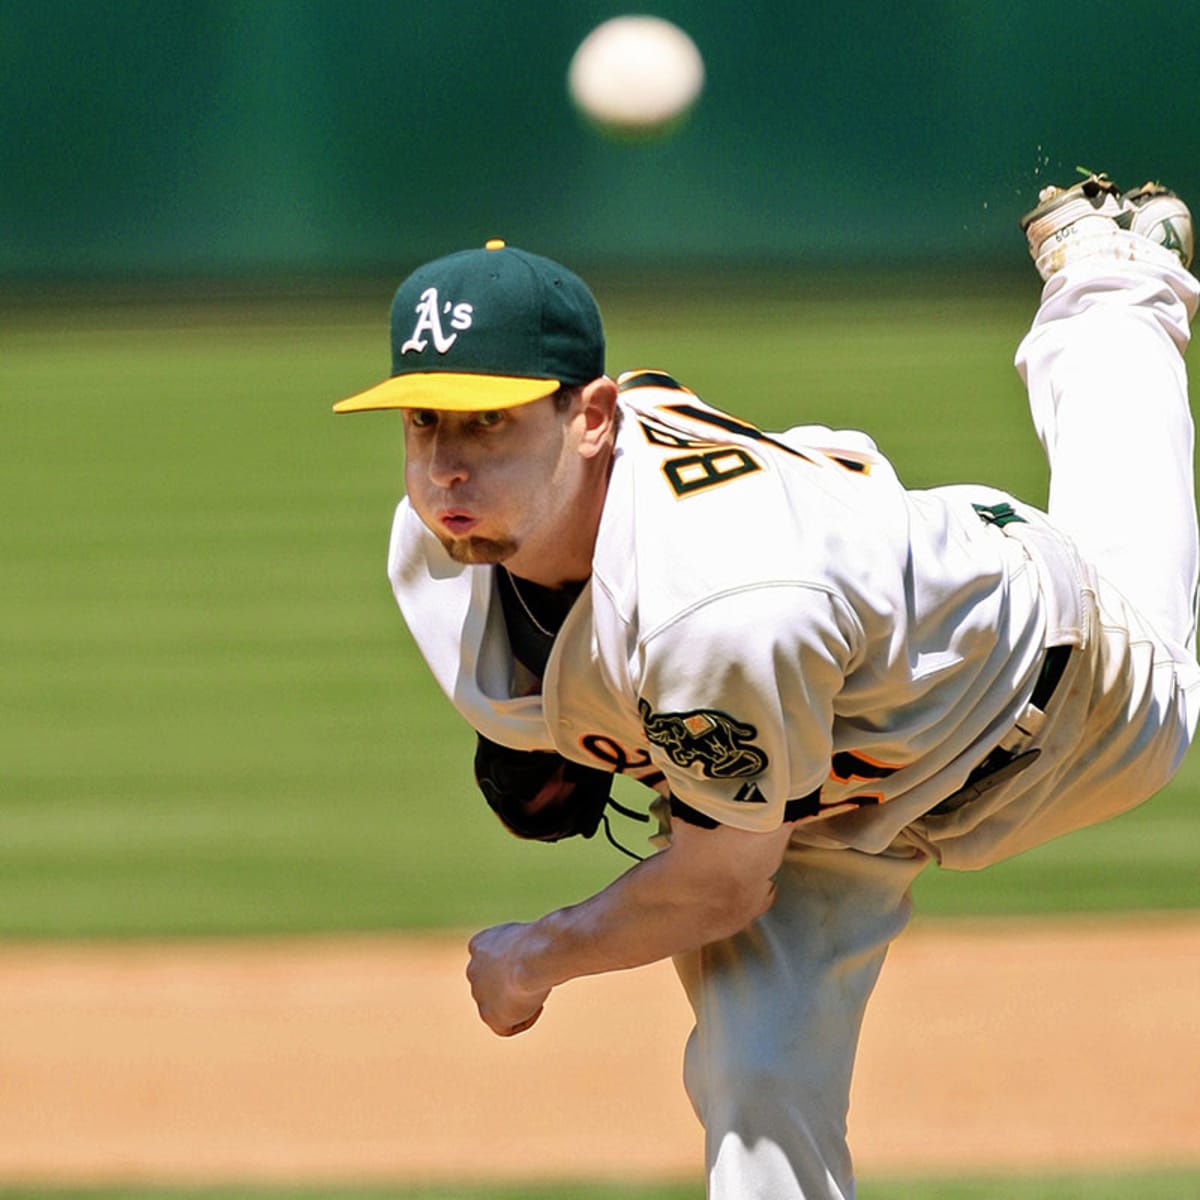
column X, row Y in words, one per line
column 1155, row 212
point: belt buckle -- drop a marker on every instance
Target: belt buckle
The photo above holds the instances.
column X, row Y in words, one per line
column 986, row 777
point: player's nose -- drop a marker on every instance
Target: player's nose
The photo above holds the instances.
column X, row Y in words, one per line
column 447, row 464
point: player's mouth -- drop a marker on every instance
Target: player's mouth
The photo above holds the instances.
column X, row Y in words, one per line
column 457, row 523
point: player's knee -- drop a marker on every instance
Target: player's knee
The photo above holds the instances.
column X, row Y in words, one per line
column 768, row 1078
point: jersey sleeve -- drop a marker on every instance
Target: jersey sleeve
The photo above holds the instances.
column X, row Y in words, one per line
column 736, row 699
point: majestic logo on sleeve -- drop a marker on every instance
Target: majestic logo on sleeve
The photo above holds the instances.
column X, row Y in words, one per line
column 429, row 321
column 713, row 739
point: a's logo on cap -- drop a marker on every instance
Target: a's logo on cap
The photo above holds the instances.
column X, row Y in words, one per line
column 429, row 320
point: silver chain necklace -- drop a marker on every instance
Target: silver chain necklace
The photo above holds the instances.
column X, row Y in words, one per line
column 512, row 579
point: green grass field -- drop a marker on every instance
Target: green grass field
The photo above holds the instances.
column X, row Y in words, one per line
column 214, row 720
column 1119, row 1186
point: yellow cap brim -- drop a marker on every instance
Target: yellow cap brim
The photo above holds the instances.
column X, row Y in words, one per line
column 449, row 392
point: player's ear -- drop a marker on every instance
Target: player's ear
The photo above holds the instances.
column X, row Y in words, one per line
column 598, row 410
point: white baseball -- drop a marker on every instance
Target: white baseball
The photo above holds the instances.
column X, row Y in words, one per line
column 636, row 75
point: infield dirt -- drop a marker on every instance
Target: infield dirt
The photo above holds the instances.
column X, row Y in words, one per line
column 1061, row 1045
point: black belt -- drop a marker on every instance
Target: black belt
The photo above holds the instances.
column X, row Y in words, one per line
column 1001, row 764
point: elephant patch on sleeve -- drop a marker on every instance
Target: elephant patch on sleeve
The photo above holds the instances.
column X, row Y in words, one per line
column 719, row 743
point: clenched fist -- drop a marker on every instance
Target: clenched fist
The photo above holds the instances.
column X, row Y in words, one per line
column 506, row 1006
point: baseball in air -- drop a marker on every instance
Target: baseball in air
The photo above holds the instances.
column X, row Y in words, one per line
column 636, row 77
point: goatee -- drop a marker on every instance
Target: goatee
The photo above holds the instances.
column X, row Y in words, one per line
column 479, row 550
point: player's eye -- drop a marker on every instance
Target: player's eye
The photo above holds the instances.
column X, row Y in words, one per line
column 422, row 418
column 489, row 419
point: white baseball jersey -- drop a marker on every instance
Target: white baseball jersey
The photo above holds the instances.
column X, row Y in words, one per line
column 774, row 626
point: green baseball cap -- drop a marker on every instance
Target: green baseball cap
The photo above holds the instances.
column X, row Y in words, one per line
column 487, row 329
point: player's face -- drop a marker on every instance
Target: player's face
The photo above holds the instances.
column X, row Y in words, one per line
column 507, row 486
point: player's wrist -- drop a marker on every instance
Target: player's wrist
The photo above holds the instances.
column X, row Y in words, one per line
column 528, row 964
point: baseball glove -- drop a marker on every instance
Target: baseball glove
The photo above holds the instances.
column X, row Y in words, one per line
column 538, row 794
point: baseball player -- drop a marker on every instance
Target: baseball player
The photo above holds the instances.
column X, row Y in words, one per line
column 829, row 681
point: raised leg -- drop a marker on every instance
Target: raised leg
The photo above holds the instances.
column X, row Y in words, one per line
column 1108, row 392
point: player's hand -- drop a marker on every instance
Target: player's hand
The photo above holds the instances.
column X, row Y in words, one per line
column 505, row 1006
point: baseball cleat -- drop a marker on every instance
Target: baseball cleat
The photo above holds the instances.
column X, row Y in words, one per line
column 1155, row 212
column 1071, row 222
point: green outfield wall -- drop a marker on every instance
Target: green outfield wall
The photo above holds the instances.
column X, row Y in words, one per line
column 143, row 138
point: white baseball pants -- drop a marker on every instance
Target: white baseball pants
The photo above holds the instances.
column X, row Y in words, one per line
column 779, row 1007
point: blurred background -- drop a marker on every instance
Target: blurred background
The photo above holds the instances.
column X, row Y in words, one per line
column 152, row 138
column 213, row 719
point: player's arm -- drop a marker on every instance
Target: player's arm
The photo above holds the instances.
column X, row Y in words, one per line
column 734, row 738
column 705, row 885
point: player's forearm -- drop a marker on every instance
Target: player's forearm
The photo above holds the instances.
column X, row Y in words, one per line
column 708, row 884
column 673, row 902
column 629, row 924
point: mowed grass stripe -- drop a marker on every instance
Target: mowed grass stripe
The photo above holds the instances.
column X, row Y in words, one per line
column 214, row 719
